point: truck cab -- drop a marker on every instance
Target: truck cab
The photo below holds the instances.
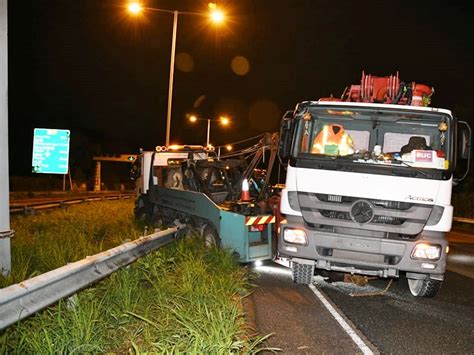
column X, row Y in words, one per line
column 368, row 189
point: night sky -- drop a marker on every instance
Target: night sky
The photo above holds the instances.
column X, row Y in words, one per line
column 87, row 66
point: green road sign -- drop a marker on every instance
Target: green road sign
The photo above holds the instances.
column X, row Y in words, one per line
column 51, row 151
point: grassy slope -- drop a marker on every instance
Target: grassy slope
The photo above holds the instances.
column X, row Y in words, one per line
column 53, row 239
column 182, row 298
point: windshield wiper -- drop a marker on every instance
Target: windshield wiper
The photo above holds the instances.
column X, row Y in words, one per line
column 350, row 157
column 414, row 168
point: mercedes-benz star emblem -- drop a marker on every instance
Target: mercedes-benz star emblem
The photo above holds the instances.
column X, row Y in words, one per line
column 362, row 211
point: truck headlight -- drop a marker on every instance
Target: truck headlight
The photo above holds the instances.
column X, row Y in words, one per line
column 426, row 251
column 295, row 236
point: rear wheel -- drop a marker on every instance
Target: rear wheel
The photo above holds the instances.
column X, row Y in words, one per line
column 424, row 287
column 210, row 237
column 143, row 209
column 303, row 273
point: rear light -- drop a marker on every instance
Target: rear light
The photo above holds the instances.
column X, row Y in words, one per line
column 257, row 228
column 440, row 154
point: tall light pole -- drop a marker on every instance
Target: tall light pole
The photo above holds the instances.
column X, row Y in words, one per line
column 222, row 120
column 170, row 87
column 5, row 232
column 216, row 17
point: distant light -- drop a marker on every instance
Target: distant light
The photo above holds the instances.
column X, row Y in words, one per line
column 224, row 120
column 192, row 118
column 228, row 147
column 217, row 16
column 135, row 8
column 240, row 65
column 258, row 263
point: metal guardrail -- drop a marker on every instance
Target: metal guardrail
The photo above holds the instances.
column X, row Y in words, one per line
column 464, row 220
column 27, row 297
column 32, row 208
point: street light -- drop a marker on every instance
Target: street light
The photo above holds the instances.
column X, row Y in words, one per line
column 135, row 8
column 216, row 16
column 228, row 147
column 222, row 120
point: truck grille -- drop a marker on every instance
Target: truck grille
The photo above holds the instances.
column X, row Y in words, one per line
column 394, row 221
column 381, row 217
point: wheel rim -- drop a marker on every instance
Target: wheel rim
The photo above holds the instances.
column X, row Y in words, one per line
column 415, row 286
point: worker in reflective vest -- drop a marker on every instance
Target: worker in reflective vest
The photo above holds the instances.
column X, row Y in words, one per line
column 333, row 140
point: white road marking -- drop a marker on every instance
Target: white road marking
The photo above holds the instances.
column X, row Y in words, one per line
column 347, row 328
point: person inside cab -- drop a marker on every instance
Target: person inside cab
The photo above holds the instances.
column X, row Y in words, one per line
column 333, row 140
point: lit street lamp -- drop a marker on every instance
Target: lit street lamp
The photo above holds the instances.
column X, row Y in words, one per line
column 222, row 120
column 216, row 16
column 227, row 147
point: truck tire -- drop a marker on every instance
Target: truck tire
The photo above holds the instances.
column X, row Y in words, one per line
column 210, row 237
column 143, row 209
column 424, row 288
column 303, row 273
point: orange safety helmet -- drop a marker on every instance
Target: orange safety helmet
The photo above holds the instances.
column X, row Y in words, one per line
column 333, row 140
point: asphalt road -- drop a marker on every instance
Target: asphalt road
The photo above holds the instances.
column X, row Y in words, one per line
column 298, row 321
column 392, row 323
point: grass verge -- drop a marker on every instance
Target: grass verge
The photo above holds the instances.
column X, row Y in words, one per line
column 53, row 239
column 181, row 298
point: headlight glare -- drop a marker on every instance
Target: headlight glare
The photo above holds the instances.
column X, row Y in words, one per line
column 295, row 236
column 425, row 251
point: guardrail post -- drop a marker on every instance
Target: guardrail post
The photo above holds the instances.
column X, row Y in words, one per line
column 5, row 233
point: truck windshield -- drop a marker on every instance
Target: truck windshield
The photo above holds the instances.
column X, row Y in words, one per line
column 388, row 137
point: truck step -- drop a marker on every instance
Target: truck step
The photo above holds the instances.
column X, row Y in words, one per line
column 258, row 250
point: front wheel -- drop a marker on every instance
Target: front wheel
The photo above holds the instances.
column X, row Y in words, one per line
column 143, row 209
column 210, row 237
column 424, row 288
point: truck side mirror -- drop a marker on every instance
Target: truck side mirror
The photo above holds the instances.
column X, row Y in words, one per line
column 134, row 171
column 286, row 131
column 463, row 146
column 464, row 140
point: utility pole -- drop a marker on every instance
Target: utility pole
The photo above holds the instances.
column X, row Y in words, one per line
column 5, row 232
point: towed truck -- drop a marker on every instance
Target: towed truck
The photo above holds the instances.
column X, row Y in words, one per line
column 369, row 181
column 191, row 188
